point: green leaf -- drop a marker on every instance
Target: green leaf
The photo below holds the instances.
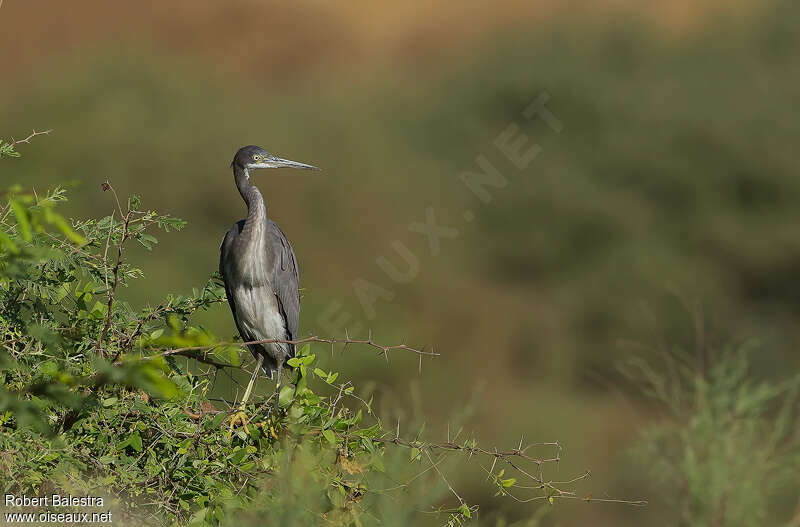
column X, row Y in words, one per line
column 6, row 242
column 183, row 447
column 307, row 361
column 98, row 310
column 134, row 441
column 61, row 224
column 234, row 357
column 22, row 219
column 255, row 433
column 330, row 436
column 147, row 241
column 368, row 444
column 214, row 423
column 294, row 362
column 285, row 396
column 238, row 456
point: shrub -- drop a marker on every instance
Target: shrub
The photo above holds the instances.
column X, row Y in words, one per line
column 729, row 446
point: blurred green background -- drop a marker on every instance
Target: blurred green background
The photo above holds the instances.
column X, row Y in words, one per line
column 671, row 190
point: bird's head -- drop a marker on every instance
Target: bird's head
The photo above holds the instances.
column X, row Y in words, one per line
column 253, row 157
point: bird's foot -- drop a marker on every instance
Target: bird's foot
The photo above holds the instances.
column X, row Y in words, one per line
column 238, row 419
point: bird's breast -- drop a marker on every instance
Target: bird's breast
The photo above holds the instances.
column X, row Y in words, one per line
column 258, row 314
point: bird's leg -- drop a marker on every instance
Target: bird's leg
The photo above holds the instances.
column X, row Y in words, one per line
column 240, row 417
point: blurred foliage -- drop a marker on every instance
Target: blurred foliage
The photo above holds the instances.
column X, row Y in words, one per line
column 728, row 450
column 672, row 171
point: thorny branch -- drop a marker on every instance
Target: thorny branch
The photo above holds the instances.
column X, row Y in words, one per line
column 33, row 134
column 189, row 351
column 312, row 338
column 507, row 457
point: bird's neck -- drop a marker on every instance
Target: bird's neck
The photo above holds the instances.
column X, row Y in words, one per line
column 256, row 209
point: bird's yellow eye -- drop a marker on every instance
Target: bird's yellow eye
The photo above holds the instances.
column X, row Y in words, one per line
column 257, row 157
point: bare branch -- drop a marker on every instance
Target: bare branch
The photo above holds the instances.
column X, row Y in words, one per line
column 332, row 341
column 32, row 135
column 507, row 457
column 112, row 290
column 441, row 475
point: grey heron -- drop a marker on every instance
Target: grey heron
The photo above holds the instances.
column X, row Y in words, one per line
column 260, row 272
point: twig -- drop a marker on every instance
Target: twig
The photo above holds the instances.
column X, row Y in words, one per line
column 507, row 457
column 195, row 356
column 111, row 292
column 33, row 134
column 441, row 475
column 332, row 341
column 517, row 452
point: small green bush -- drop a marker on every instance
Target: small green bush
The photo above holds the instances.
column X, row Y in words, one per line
column 728, row 448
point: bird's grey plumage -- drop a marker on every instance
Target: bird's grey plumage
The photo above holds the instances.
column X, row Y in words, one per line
column 254, row 312
column 259, row 268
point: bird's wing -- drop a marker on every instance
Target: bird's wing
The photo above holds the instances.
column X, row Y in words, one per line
column 225, row 254
column 224, row 251
column 285, row 279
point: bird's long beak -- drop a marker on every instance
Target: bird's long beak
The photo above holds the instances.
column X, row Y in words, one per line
column 278, row 162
